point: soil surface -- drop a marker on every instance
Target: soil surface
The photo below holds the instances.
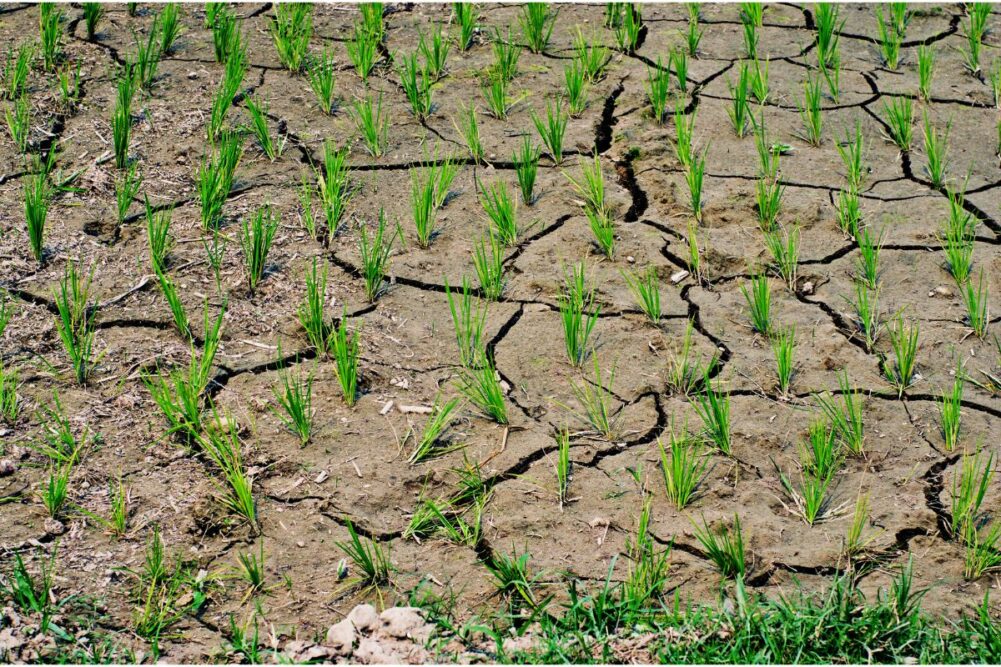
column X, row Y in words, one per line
column 356, row 466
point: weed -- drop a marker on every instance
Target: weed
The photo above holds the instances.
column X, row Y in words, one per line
column 936, row 146
column 291, row 30
column 845, row 416
column 575, row 88
column 321, row 79
column 713, row 407
column 898, row 114
column 375, row 257
column 658, row 89
column 467, row 320
column 59, row 444
column 416, row 84
column 345, row 350
column 784, row 250
column 371, row 124
column 977, row 306
column 647, row 573
column 577, row 298
column 526, row 165
column 37, row 196
column 537, row 22
column 950, row 409
column 30, row 594
column 724, row 547
column 470, row 131
column 255, row 239
column 686, row 467
column 759, row 302
column 740, row 108
column 76, row 321
column 488, row 260
column 466, row 16
column 783, row 345
column 904, row 343
column 429, row 444
column 332, row 182
column 295, row 397
column 810, row 111
column 54, row 490
column 926, row 69
column 552, row 128
column 645, row 289
column 259, row 128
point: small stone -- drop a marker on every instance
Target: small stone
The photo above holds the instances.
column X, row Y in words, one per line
column 53, row 527
column 322, row 477
column 364, row 617
column 341, row 637
column 678, row 276
column 402, row 622
column 807, row 288
column 7, row 467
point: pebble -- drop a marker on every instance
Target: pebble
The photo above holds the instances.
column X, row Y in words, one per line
column 7, row 467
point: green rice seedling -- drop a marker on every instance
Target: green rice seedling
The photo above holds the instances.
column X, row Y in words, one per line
column 169, row 20
column 363, row 52
column 51, row 33
column 679, row 64
column 724, row 546
column 811, row 499
column 693, row 34
column 849, row 212
column 995, row 77
column 595, row 398
column 322, row 78
column 752, row 13
column 684, row 127
column 810, row 111
column 768, row 195
column 826, row 18
column 904, row 344
column 936, row 146
column 170, row 295
column 759, row 303
column 252, row 570
column 259, row 128
column 739, row 110
column 751, row 39
column 645, row 289
column 627, row 32
column 465, row 15
column 430, row 445
column 482, row 387
column 512, row 579
column 470, row 131
column 602, row 229
column 92, row 13
column 713, row 407
column 658, row 89
column 346, row 350
column 537, row 22
column 17, row 66
column 983, row 550
column 147, row 59
column 54, row 490
column 121, row 120
column 977, row 306
column 256, row 238
column 969, row 488
column 958, row 240
column 591, row 184
column 333, row 184
column 592, row 56
column 225, row 33
column 867, row 264
column 488, row 260
column 178, row 395
column 831, row 72
column 648, row 569
column 694, row 254
column 898, row 114
column 371, row 124
column 845, row 416
column 577, row 298
column 75, row 321
column 59, row 444
column 19, row 123
column 526, row 166
column 976, row 26
column 416, row 83
column 900, row 16
column 855, row 539
column 950, row 410
column 506, row 54
column 222, row 445
column 306, row 202
column 312, row 313
column 783, row 345
column 232, row 80
column 784, row 250
column 70, row 91
column 494, row 91
column 5, row 314
column 866, row 306
column 575, row 88
column 295, row 398
column 37, row 197
column 552, row 128
column 422, row 203
column 127, row 184
column 890, row 40
column 563, row 466
column 10, row 402
column 215, row 252
column 118, row 495
column 926, row 69
column 852, row 151
column 683, row 376
column 685, row 469
column 372, row 20
column 820, row 457
column 32, row 594
column 467, row 320
column 291, row 30
column 375, row 257
column 212, row 10
column 694, row 178
column 502, row 209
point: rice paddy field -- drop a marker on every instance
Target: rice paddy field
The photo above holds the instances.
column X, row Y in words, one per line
column 654, row 332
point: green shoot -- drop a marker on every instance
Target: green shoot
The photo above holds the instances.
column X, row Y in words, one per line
column 526, row 166
column 724, row 547
column 686, row 467
column 371, row 124
column 482, row 387
column 845, row 416
column 255, row 239
column 785, row 253
column 333, row 184
column 291, row 30
column 783, row 344
column 575, row 88
column 658, row 89
column 261, row 131
column 926, row 69
column 322, row 79
column 936, row 147
column 537, row 22
column 645, row 289
column 127, row 185
column 430, row 444
column 595, row 399
column 977, row 306
column 810, row 111
column 37, row 197
column 759, row 303
column 577, row 298
column 898, row 114
column 867, row 264
column 75, row 321
column 295, row 397
column 904, row 343
column 713, row 407
column 375, row 257
column 467, row 321
column 488, row 260
column 416, row 83
column 345, row 350
column 950, row 409
column 465, row 16
column 470, row 131
column 551, row 129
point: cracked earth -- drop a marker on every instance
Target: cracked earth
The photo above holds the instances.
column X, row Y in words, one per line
column 355, row 468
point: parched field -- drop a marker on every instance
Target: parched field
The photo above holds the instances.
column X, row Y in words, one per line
column 728, row 324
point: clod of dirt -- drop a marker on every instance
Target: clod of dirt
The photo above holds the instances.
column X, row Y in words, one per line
column 7, row 467
column 364, row 617
column 341, row 637
column 53, row 527
column 405, row 622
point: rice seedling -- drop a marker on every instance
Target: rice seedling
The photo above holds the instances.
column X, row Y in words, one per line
column 983, row 550
column 890, row 40
column 226, row 38
column 375, row 257
column 10, row 402
column 759, row 303
column 256, row 238
column 810, row 111
column 170, row 26
column 627, row 32
column 469, row 129
column 577, row 298
column 121, row 120
column 658, row 89
column 752, row 13
column 502, row 209
column 363, row 52
column 51, row 34
column 855, row 539
column 294, row 396
column 537, row 22
column 494, row 91
column 694, row 258
column 969, row 488
column 648, row 569
column 312, row 312
column 552, row 128
column 685, row 468
column 222, row 445
column 684, row 127
column 488, row 260
column 5, row 314
column 645, row 289
column 826, row 18
column 259, row 128
column 575, row 88
column 465, row 15
column 512, row 579
column 430, row 445
column 118, row 496
column 291, row 30
column 215, row 252
column 866, row 307
column 54, row 489
column 345, row 350
column 214, row 178
column 739, row 110
column 811, row 499
column 70, row 91
column 37, row 196
column 995, row 77
column 936, row 146
column 592, row 56
column 422, row 203
column 416, row 83
column 170, row 295
column 75, row 321
column 693, row 34
column 958, row 240
column 334, row 187
column 92, row 13
column 849, row 212
column 321, row 73
column 16, row 69
column 595, row 399
column 506, row 54
column 784, row 250
column 683, row 376
column 724, row 546
column 926, row 69
column 467, row 320
column 372, row 20
column 819, row 456
column 591, row 185
column 371, row 124
column 713, row 408
column 694, row 178
column 226, row 94
column 768, row 196
column 602, row 229
column 482, row 387
column 751, row 39
column 526, row 166
column 976, row 26
column 867, row 264
column 977, row 306
column 852, row 151
column 59, row 444
column 783, row 345
column 19, row 123
column 32, row 594
column 178, row 395
column 845, row 416
column 950, row 410
column 434, row 51
column 898, row 114
column 147, row 59
column 252, row 570
column 904, row 344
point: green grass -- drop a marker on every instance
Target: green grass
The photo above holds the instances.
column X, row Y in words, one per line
column 537, row 22
column 846, row 415
column 685, row 469
column 977, row 302
column 37, row 197
column 926, row 70
column 334, row 186
column 739, row 110
column 712, row 405
column 575, row 302
column 322, row 79
column 294, row 396
column 784, row 249
column 259, row 128
column 127, row 184
column 470, row 131
column 759, row 303
column 75, row 321
column 374, row 256
column 345, row 350
column 256, row 238
column 488, row 260
column 810, row 110
column 783, row 346
column 215, row 178
column 904, row 345
column 513, row 580
column 372, row 124
column 32, row 594
column 430, row 444
column 552, row 128
column 465, row 15
column 648, row 568
column 867, row 264
column 645, row 289
column 481, row 386
column 898, row 114
column 291, row 30
column 724, row 546
column 658, row 86
column 936, row 147
column 416, row 83
column 950, row 411
column 526, row 167
column 18, row 118
column 575, row 88
column 467, row 321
